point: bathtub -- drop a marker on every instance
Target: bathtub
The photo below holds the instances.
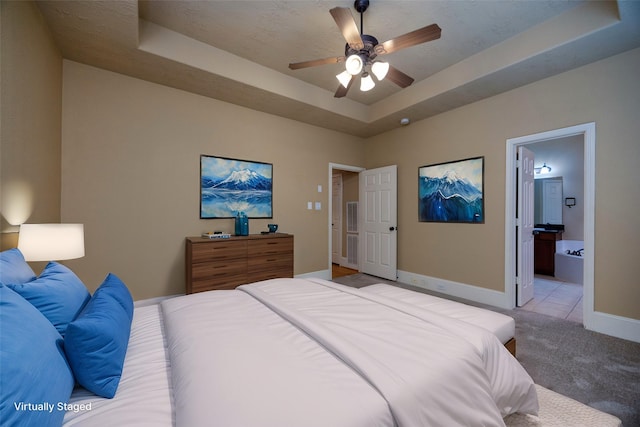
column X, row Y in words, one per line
column 569, row 267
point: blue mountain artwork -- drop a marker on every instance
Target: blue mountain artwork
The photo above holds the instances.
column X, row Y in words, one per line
column 242, row 190
column 450, row 199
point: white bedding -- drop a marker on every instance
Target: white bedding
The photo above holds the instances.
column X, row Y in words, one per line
column 145, row 394
column 503, row 327
column 228, row 358
column 336, row 350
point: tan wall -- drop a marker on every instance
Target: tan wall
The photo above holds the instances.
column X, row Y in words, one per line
column 130, row 173
column 31, row 87
column 606, row 92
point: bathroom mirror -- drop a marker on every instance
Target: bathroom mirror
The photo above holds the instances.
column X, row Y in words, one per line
column 548, row 201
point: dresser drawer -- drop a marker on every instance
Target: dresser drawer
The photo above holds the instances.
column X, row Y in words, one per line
column 227, row 283
column 265, row 247
column 273, row 261
column 218, row 252
column 270, row 267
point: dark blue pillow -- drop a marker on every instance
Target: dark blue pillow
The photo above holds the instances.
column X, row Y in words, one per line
column 58, row 293
column 13, row 268
column 96, row 342
column 34, row 369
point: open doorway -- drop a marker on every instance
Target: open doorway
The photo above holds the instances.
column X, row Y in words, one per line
column 343, row 227
column 559, row 225
column 548, row 146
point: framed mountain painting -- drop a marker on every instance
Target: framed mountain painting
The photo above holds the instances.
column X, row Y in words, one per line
column 231, row 186
column 452, row 191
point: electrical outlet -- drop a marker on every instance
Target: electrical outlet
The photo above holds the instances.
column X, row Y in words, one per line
column 441, row 287
column 414, row 280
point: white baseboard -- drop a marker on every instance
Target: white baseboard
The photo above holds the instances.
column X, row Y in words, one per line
column 604, row 323
column 616, row 326
column 321, row 274
column 455, row 289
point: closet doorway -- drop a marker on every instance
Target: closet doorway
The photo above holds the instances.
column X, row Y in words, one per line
column 343, row 238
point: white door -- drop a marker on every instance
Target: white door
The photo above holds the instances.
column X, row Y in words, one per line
column 379, row 215
column 525, row 223
column 336, row 219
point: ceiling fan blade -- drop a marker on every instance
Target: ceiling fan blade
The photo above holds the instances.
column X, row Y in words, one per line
column 348, row 27
column 316, row 62
column 398, row 77
column 342, row 91
column 422, row 35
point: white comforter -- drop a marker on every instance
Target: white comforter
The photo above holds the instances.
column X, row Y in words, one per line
column 305, row 353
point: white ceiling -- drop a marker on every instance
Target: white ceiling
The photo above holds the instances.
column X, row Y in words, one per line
column 239, row 51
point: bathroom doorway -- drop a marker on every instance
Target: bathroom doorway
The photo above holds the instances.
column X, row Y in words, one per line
column 551, row 290
column 559, row 219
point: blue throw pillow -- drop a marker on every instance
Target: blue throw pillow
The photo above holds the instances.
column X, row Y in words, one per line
column 13, row 268
column 34, row 370
column 96, row 342
column 58, row 293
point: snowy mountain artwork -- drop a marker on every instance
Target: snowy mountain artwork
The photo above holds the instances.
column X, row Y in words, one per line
column 231, row 186
column 452, row 192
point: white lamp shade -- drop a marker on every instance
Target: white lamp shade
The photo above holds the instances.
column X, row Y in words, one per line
column 51, row 242
column 354, row 64
column 344, row 78
column 366, row 83
column 380, row 69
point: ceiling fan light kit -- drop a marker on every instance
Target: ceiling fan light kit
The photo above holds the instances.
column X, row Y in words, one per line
column 344, row 78
column 354, row 64
column 380, row 69
column 362, row 50
column 366, row 82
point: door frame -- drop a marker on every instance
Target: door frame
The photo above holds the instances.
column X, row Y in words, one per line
column 335, row 167
column 588, row 131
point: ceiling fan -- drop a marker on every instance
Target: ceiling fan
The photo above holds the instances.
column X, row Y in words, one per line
column 362, row 50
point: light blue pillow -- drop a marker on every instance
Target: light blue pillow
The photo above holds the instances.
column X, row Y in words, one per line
column 34, row 369
column 96, row 342
column 13, row 268
column 58, row 293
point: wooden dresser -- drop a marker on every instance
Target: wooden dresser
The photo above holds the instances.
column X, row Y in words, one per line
column 227, row 263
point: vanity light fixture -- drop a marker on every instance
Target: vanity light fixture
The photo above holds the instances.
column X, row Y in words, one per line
column 542, row 169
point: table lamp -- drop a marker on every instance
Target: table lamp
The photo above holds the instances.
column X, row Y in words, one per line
column 51, row 242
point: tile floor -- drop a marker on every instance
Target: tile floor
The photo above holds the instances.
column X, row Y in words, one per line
column 557, row 299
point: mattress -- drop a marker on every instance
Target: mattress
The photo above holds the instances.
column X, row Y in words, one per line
column 500, row 325
column 312, row 351
column 145, row 394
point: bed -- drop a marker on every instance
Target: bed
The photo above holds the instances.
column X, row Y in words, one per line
column 502, row 326
column 295, row 363
column 282, row 352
